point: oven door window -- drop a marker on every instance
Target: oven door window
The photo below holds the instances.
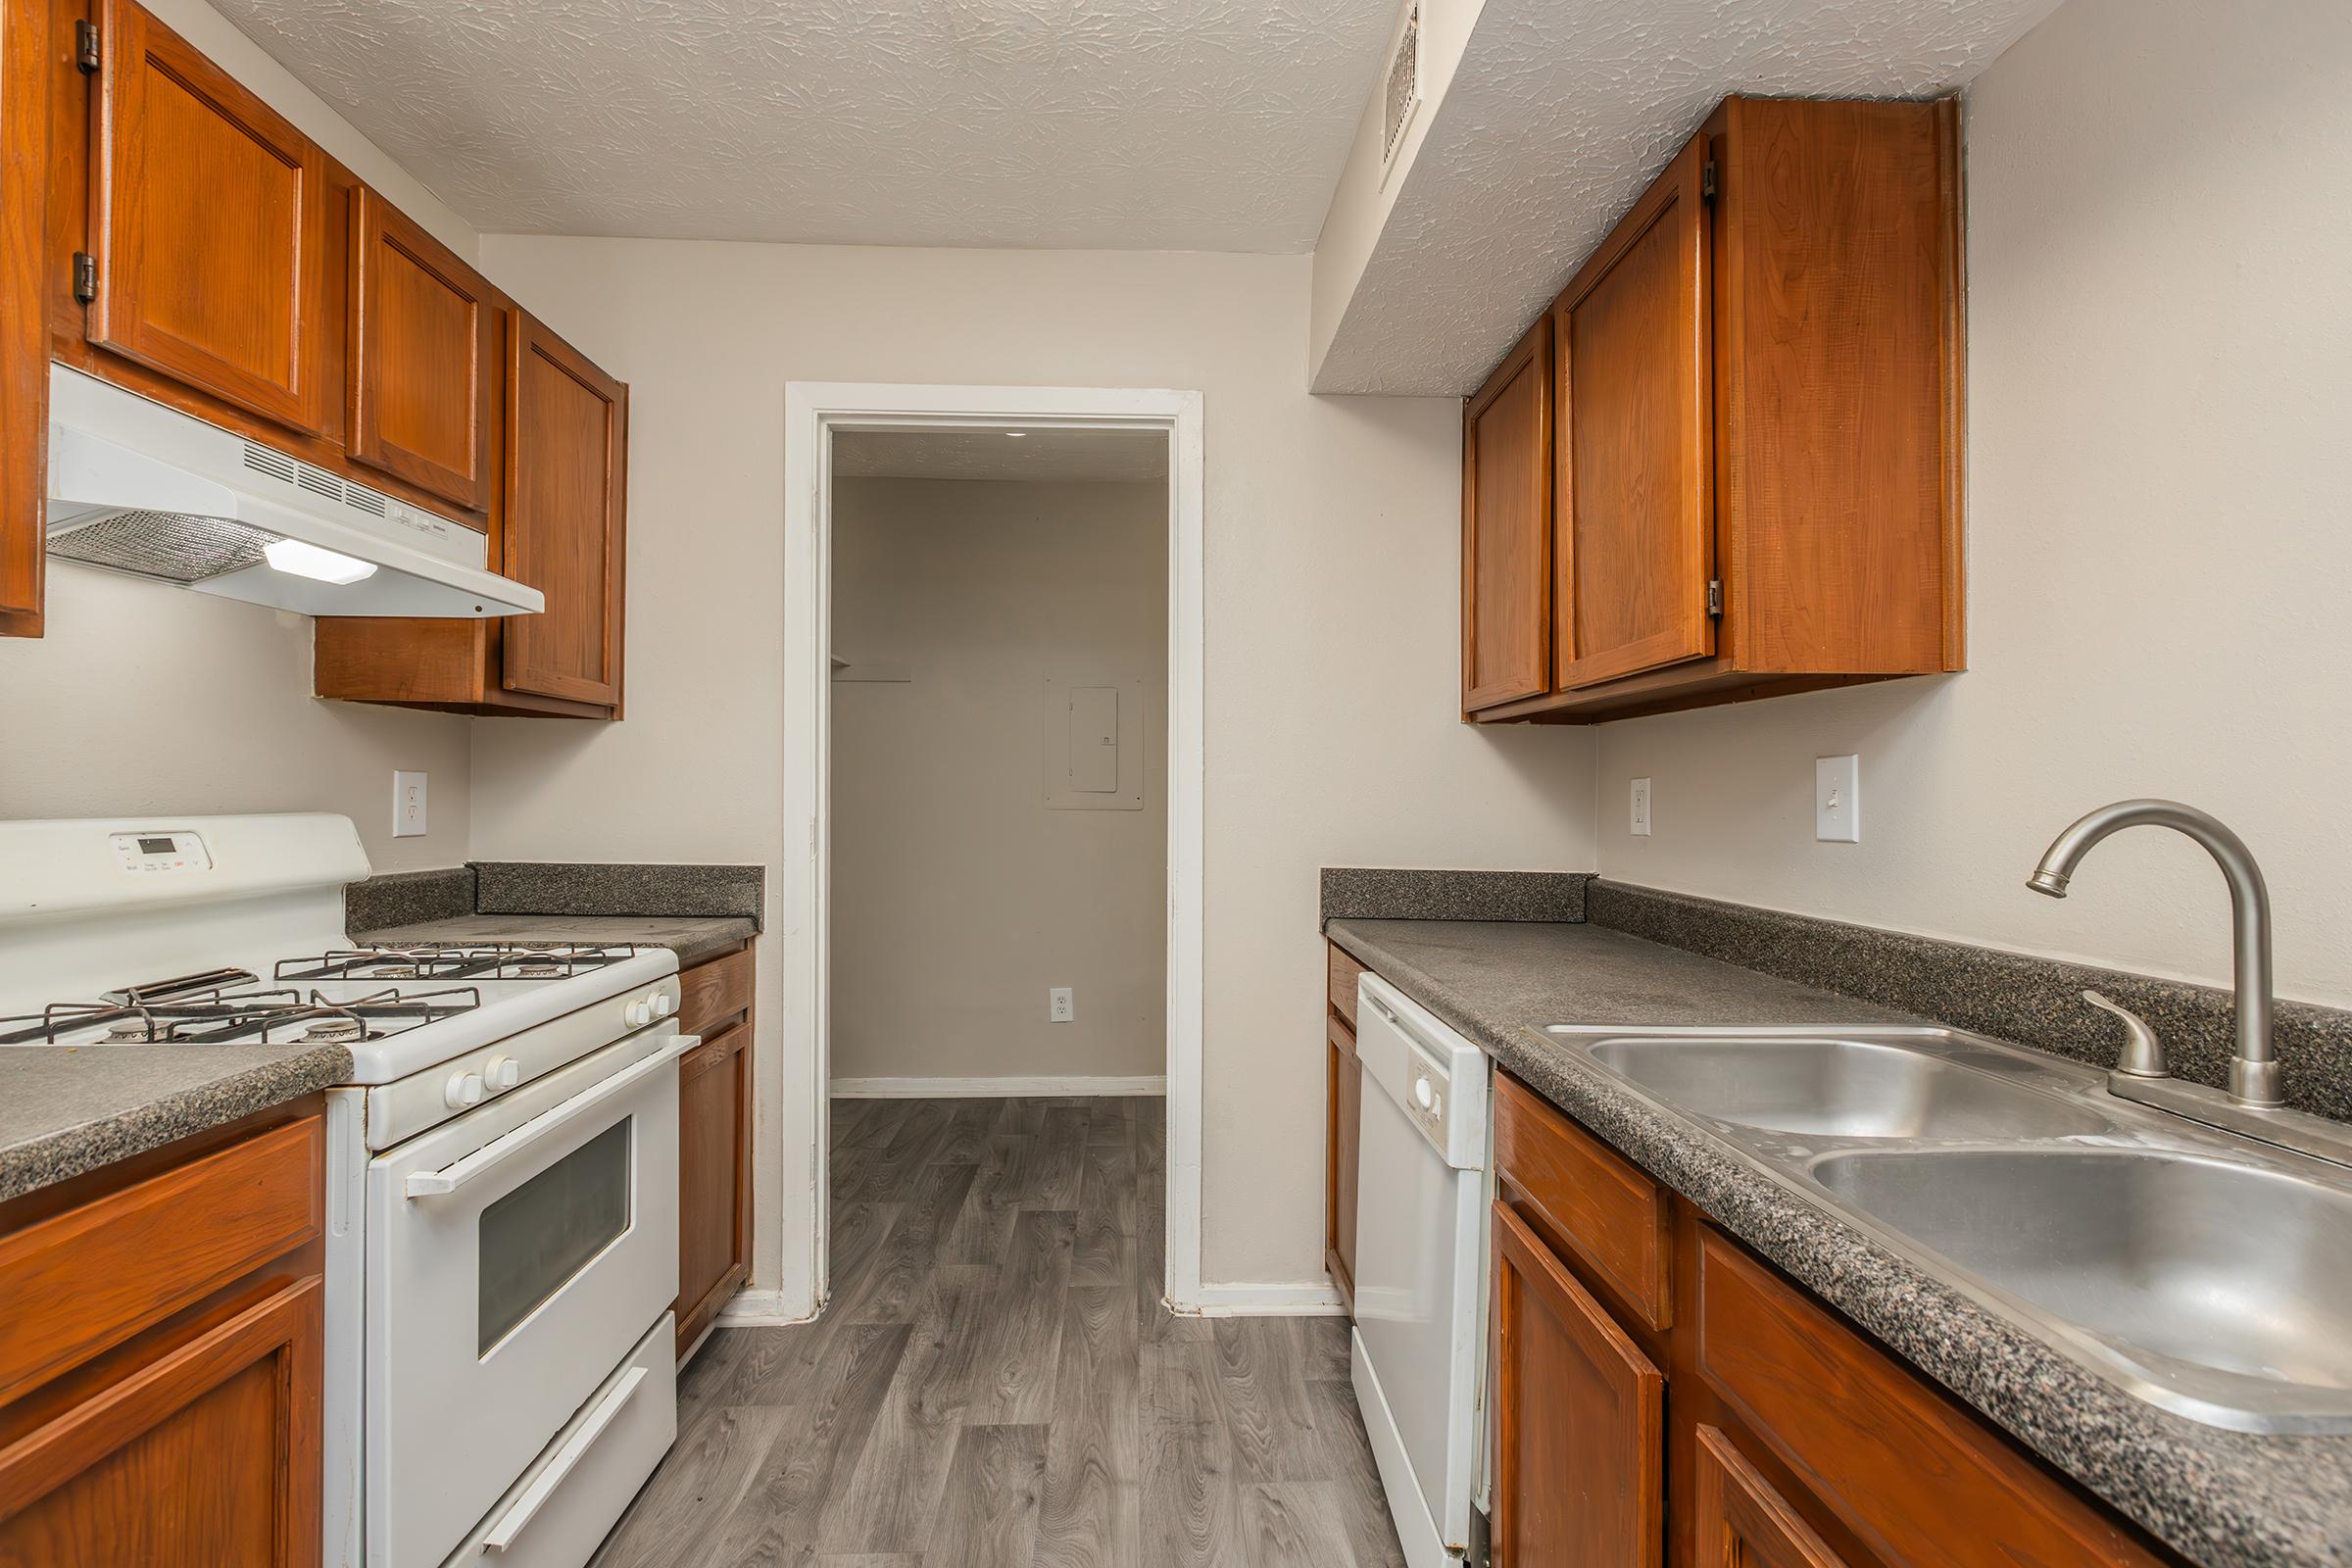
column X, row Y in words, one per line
column 537, row 1237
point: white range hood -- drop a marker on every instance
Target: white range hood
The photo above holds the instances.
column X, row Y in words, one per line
column 140, row 488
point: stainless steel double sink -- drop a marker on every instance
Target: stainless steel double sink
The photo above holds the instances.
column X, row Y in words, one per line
column 2208, row 1274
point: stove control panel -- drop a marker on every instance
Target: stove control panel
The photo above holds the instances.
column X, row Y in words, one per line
column 162, row 851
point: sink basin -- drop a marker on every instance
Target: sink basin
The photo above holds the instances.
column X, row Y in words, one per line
column 2225, row 1291
column 1827, row 1087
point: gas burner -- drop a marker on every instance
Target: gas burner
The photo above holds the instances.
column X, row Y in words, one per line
column 282, row 1015
column 471, row 961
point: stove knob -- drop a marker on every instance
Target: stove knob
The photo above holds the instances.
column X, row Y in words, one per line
column 639, row 1014
column 500, row 1072
column 465, row 1089
column 662, row 1004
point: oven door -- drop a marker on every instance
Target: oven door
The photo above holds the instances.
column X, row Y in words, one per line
column 514, row 1256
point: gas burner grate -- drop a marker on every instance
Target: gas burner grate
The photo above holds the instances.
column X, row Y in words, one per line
column 279, row 1015
column 474, row 961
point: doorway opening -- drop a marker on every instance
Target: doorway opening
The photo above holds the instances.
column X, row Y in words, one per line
column 994, row 805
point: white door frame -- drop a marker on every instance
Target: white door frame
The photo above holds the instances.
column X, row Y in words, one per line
column 813, row 411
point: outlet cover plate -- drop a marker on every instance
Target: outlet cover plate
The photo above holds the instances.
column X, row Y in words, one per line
column 407, row 805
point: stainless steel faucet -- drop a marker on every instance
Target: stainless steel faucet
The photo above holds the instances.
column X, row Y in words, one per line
column 2254, row 1074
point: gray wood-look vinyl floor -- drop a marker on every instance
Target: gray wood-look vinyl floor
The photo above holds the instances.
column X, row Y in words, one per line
column 994, row 1383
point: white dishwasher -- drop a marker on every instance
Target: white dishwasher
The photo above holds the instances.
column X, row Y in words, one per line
column 1420, row 1265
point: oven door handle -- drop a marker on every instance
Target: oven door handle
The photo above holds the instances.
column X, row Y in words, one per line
column 515, row 1520
column 498, row 1150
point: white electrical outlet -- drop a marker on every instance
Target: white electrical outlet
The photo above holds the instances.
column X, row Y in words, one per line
column 1641, row 824
column 1838, row 800
column 1060, row 1004
column 407, row 805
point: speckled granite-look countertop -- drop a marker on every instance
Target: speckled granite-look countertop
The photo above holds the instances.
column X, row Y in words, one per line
column 2226, row 1498
column 66, row 1109
column 692, row 937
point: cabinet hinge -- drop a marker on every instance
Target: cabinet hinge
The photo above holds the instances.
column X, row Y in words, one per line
column 85, row 47
column 85, row 277
column 1706, row 180
column 1714, row 596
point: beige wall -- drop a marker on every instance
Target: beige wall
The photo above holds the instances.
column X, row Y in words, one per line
column 1330, row 596
column 144, row 697
column 958, row 898
column 2159, row 372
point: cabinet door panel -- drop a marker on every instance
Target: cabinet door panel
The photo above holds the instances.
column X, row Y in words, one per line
column 1506, row 528
column 1344, row 1094
column 422, row 350
column 567, row 428
column 1740, row 1522
column 24, row 322
column 209, row 228
column 1634, row 510
column 1579, row 1475
column 207, row 1455
column 714, row 1189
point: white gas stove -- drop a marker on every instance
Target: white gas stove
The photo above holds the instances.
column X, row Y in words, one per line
column 502, row 1167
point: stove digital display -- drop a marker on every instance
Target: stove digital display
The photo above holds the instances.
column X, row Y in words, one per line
column 155, row 846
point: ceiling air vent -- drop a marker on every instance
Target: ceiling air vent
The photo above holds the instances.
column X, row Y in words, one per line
column 1401, row 86
column 261, row 459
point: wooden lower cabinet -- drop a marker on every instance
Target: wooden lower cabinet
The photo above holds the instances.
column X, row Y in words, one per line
column 1343, row 1107
column 715, row 1142
column 1750, row 1426
column 178, row 1427
column 1579, row 1459
column 1343, row 1102
column 1737, row 1519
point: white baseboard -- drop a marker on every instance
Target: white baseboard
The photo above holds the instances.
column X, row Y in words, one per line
column 990, row 1088
column 1301, row 1299
column 759, row 1309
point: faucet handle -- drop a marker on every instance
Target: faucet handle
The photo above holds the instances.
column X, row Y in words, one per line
column 2143, row 1053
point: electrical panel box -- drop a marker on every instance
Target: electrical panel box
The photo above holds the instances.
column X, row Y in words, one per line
column 1094, row 736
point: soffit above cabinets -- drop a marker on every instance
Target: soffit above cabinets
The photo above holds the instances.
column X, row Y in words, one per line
column 1123, row 125
column 1557, row 116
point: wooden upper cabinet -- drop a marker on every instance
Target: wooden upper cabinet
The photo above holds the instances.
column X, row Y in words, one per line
column 1506, row 528
column 1633, row 517
column 567, row 490
column 1757, row 458
column 207, row 227
column 1578, row 1457
column 23, row 322
column 422, row 351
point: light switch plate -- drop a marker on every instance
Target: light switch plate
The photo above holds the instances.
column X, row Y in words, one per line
column 1838, row 800
column 1640, row 818
column 407, row 805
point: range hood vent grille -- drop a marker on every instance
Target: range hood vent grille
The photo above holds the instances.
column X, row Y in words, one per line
column 318, row 482
column 276, row 465
column 167, row 546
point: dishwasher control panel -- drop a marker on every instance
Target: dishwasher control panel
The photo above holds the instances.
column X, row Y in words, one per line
column 1425, row 1099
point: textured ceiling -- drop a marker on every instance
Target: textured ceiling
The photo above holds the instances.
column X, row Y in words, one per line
column 1557, row 118
column 1124, row 124
column 1092, row 456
